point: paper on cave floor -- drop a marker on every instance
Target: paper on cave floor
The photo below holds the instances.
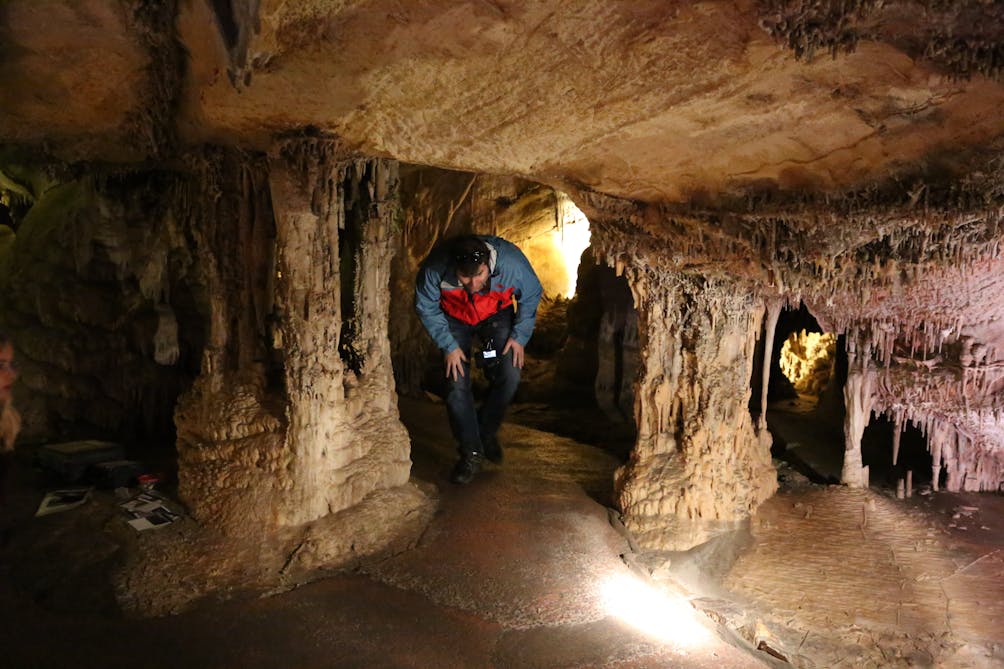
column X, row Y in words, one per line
column 147, row 511
column 62, row 500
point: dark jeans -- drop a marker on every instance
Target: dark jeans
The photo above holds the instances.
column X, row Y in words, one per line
column 470, row 424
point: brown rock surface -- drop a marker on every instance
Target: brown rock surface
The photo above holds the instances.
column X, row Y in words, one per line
column 649, row 100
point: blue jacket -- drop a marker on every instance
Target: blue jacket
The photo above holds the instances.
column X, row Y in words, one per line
column 438, row 292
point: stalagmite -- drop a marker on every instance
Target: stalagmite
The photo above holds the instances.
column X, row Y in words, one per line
column 858, row 402
column 936, row 440
column 302, row 454
column 699, row 466
column 343, row 434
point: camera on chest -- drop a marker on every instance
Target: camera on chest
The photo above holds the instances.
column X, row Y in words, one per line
column 493, row 334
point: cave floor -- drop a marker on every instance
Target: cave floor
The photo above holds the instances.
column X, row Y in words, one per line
column 527, row 567
column 521, row 568
column 834, row 577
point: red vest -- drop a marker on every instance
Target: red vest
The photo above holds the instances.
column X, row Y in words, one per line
column 472, row 309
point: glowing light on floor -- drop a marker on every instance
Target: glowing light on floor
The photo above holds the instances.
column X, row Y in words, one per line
column 571, row 237
column 654, row 613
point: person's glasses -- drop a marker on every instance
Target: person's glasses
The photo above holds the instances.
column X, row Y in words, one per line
column 8, row 366
column 470, row 257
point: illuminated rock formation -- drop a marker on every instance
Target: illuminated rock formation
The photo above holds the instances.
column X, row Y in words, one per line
column 699, row 464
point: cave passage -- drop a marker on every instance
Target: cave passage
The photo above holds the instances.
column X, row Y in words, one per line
column 582, row 359
column 804, row 395
column 807, row 359
column 913, row 454
column 806, row 411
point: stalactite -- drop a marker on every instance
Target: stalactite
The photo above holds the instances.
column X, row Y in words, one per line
column 897, row 435
column 773, row 313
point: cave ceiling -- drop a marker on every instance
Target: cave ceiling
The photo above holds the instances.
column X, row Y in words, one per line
column 741, row 135
column 648, row 100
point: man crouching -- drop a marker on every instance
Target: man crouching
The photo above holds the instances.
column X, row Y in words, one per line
column 482, row 286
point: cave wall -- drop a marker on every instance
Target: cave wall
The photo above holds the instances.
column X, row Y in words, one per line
column 577, row 363
column 926, row 333
column 102, row 294
column 616, row 344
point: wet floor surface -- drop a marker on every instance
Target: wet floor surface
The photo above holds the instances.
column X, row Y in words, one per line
column 521, row 568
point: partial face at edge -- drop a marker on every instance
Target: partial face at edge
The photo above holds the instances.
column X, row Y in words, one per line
column 476, row 283
column 8, row 374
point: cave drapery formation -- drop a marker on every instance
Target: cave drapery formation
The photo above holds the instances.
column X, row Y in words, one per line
column 212, row 189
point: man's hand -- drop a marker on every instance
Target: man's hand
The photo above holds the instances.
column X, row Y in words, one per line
column 455, row 360
column 517, row 352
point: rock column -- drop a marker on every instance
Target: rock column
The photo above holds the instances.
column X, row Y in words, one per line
column 699, row 466
column 858, row 400
column 334, row 224
column 294, row 415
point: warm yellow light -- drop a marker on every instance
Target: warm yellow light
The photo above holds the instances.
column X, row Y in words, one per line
column 807, row 360
column 656, row 614
column 571, row 237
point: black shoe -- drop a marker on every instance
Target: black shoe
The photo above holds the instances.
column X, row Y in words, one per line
column 493, row 449
column 465, row 469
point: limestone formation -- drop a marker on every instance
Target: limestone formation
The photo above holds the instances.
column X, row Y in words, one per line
column 334, row 224
column 101, row 301
column 287, row 430
column 699, row 465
